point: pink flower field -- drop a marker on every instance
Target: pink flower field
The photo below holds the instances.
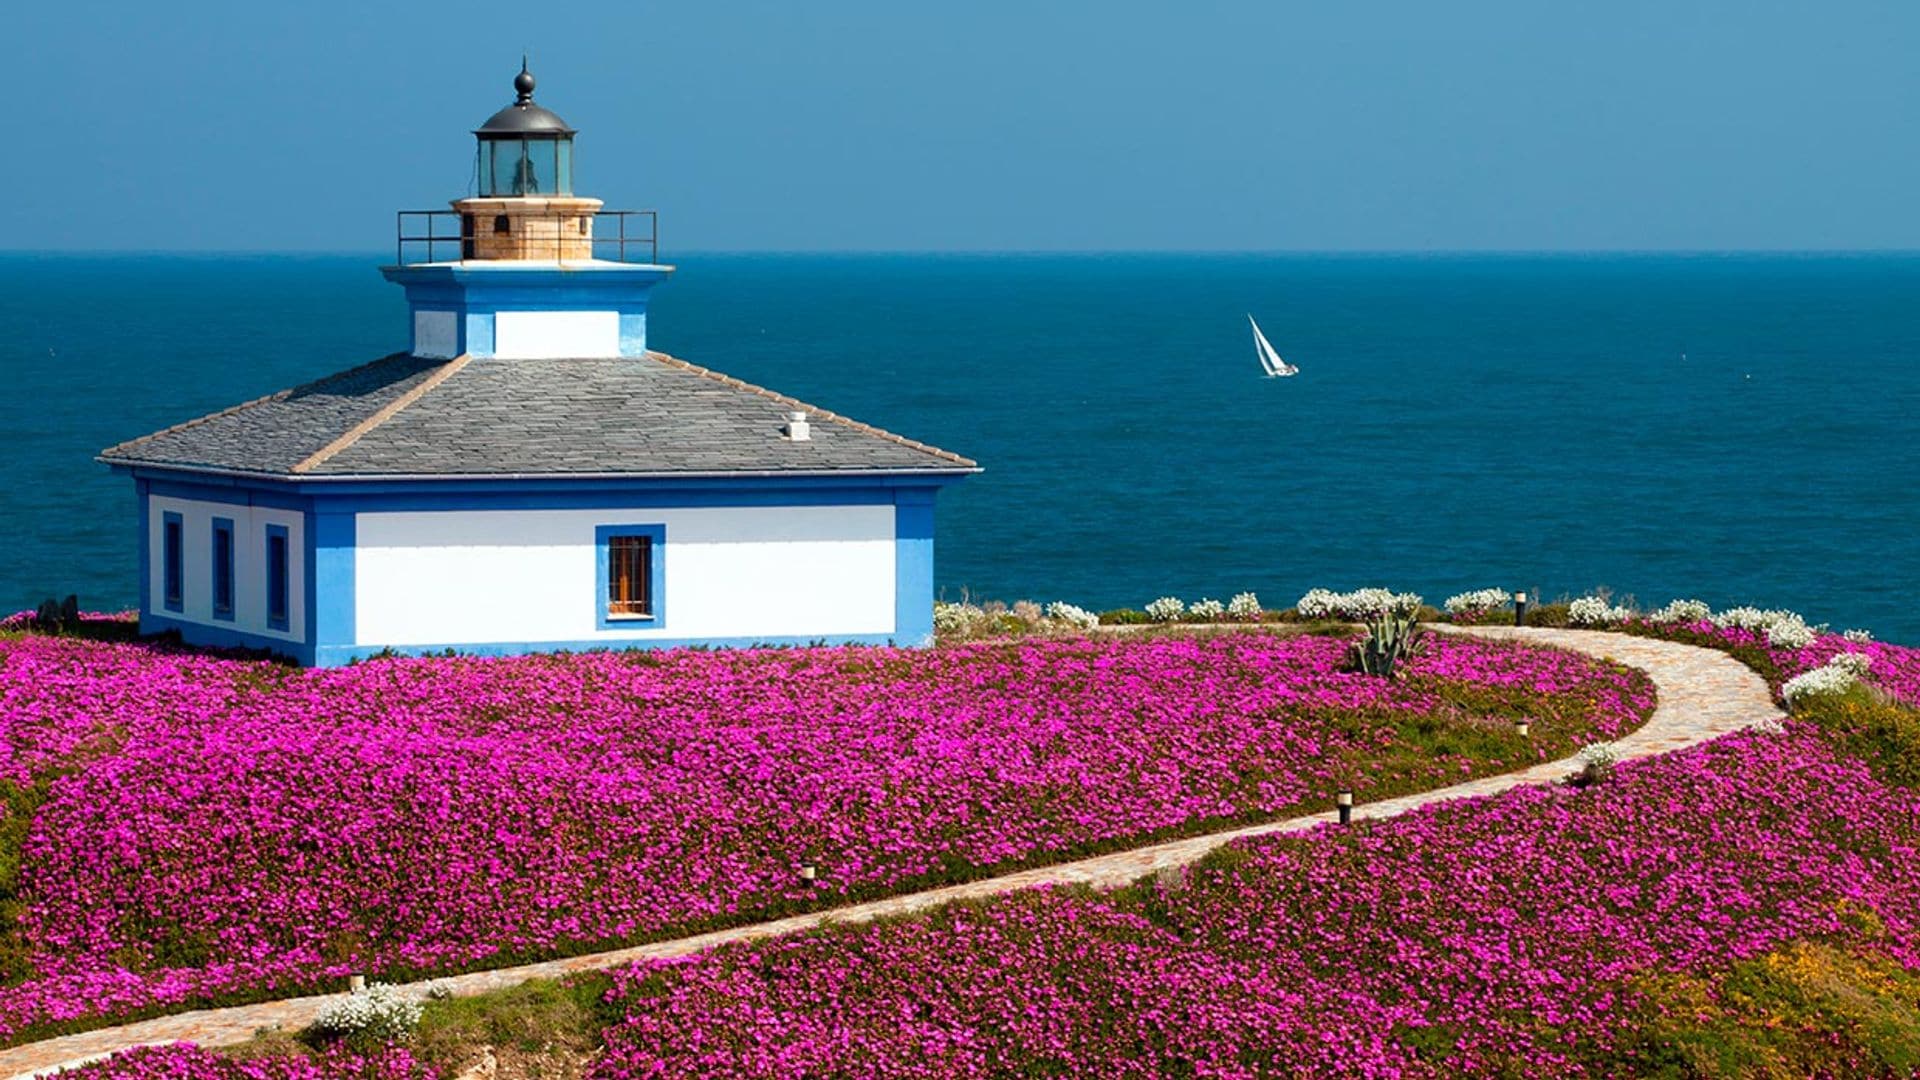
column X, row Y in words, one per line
column 206, row 829
column 1526, row 935
column 183, row 1062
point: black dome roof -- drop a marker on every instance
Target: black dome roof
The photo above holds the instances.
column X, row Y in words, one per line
column 523, row 117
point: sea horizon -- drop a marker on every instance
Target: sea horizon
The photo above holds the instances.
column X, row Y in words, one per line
column 1724, row 424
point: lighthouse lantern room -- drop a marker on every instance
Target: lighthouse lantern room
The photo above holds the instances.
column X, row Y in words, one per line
column 529, row 474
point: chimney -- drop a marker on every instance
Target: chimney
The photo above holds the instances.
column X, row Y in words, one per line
column 797, row 428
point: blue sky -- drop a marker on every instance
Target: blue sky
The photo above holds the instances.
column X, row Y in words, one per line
column 1042, row 124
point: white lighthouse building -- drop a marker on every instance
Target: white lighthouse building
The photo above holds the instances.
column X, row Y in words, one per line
column 528, row 475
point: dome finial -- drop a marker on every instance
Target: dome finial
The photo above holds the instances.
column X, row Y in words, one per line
column 523, row 83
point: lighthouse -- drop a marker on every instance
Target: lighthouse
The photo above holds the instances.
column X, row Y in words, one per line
column 528, row 474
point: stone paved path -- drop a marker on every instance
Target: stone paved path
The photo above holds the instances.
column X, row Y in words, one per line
column 1702, row 694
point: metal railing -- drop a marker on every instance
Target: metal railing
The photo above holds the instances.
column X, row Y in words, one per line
column 447, row 235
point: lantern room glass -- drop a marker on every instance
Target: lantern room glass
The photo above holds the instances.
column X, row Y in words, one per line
column 526, row 167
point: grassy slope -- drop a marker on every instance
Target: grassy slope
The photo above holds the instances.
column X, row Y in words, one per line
column 1460, row 728
column 1789, row 1013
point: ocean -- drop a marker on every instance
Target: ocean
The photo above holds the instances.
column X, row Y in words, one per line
column 1739, row 429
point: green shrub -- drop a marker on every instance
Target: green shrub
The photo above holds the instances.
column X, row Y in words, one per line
column 1124, row 617
column 1882, row 732
column 537, row 1016
column 1554, row 614
column 1794, row 1012
column 21, row 802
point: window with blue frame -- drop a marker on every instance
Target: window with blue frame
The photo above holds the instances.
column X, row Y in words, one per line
column 223, row 568
column 173, row 586
column 277, row 581
column 633, row 576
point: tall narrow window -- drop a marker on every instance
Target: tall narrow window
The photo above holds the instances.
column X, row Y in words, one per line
column 633, row 576
column 223, row 568
column 277, row 585
column 172, row 566
column 629, row 574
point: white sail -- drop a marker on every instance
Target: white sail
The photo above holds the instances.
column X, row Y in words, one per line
column 1269, row 359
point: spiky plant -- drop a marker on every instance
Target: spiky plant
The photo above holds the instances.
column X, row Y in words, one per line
column 1392, row 637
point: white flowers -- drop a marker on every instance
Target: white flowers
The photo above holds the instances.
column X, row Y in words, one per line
column 1837, row 676
column 1595, row 611
column 1858, row 637
column 1244, row 606
column 1791, row 633
column 1359, row 604
column 1166, row 609
column 377, row 1014
column 1683, row 611
column 957, row 618
column 1744, row 618
column 1207, row 610
column 1598, row 757
column 1318, row 604
column 1858, row 663
column 1072, row 615
column 1783, row 629
column 1477, row 602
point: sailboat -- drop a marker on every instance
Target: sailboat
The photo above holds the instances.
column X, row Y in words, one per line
column 1269, row 360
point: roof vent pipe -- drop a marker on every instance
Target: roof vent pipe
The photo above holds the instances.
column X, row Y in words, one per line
column 797, row 428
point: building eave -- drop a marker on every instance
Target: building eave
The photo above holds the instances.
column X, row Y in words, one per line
column 302, row 479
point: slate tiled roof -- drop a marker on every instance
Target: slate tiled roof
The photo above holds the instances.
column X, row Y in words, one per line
column 639, row 416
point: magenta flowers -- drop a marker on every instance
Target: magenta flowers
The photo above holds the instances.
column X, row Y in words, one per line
column 216, row 828
column 1493, row 937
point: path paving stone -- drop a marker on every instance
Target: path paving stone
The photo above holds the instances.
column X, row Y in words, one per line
column 1703, row 694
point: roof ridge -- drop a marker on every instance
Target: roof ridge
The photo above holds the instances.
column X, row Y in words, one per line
column 381, row 415
column 278, row 395
column 824, row 414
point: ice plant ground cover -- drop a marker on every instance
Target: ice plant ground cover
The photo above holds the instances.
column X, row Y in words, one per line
column 183, row 1062
column 1748, row 907
column 193, row 829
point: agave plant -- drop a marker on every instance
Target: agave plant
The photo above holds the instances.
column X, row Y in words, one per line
column 1392, row 636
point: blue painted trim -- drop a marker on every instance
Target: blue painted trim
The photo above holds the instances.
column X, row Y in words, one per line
column 475, row 295
column 476, row 333
column 144, row 531
column 285, row 574
column 611, row 501
column 656, row 576
column 633, row 333
column 223, row 575
column 269, row 494
column 293, row 493
column 331, row 588
column 221, row 637
column 581, row 284
column 173, row 561
column 913, row 567
column 335, row 655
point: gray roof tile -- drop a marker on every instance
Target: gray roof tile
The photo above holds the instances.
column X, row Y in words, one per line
column 404, row 416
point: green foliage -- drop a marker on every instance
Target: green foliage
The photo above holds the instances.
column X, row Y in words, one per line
column 58, row 616
column 1808, row 1009
column 1124, row 617
column 1753, row 656
column 1869, row 725
column 1554, row 614
column 535, row 1017
column 1390, row 639
column 20, row 802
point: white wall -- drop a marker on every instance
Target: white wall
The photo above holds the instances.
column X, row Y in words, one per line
column 249, row 565
column 496, row 576
column 548, row 335
column 436, row 334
